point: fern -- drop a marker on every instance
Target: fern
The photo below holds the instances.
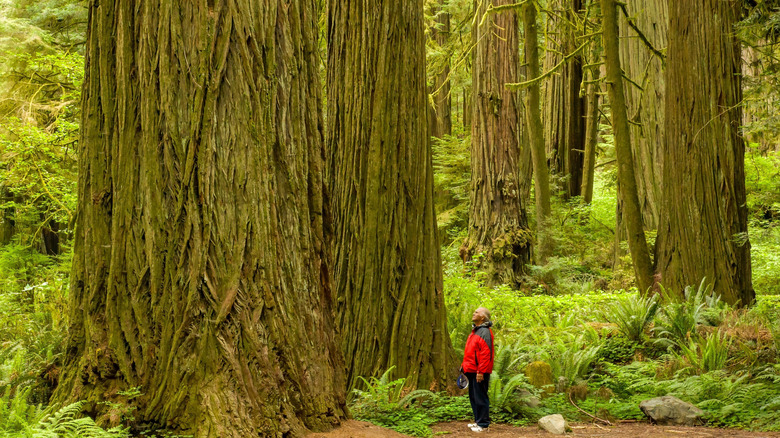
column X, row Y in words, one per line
column 633, row 315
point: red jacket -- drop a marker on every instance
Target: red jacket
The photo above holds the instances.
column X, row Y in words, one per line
column 478, row 356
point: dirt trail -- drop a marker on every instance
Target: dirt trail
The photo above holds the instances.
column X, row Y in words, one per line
column 359, row 429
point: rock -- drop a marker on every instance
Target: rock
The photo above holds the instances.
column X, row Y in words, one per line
column 527, row 399
column 668, row 410
column 555, row 424
column 540, row 375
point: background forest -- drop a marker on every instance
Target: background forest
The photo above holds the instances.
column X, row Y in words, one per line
column 563, row 281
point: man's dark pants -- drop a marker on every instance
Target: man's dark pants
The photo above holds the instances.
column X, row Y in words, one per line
column 478, row 396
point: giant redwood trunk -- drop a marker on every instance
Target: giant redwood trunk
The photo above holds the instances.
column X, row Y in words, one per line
column 387, row 278
column 498, row 227
column 646, row 105
column 199, row 272
column 703, row 227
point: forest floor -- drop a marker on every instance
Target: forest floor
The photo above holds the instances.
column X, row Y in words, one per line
column 360, row 429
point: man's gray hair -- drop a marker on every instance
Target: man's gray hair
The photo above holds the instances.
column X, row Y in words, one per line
column 485, row 312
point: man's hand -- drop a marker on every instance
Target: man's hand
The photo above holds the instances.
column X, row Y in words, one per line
column 479, row 377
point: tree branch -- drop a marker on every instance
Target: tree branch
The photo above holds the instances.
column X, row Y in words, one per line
column 641, row 35
column 520, row 85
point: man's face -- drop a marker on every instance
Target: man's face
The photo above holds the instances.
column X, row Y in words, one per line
column 476, row 316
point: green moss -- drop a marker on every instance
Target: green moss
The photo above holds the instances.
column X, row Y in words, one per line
column 511, row 243
column 539, row 374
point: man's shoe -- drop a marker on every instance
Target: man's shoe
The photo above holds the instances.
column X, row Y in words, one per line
column 479, row 429
column 472, row 425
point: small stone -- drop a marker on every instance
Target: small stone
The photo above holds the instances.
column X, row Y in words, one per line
column 555, row 424
column 668, row 410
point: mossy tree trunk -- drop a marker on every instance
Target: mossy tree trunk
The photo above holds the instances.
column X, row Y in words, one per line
column 498, row 228
column 632, row 214
column 703, row 221
column 199, row 272
column 535, row 134
column 387, row 266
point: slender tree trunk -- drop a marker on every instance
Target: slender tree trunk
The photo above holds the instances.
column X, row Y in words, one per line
column 7, row 221
column 388, row 277
column 703, row 228
column 563, row 106
column 468, row 108
column 441, row 118
column 632, row 215
column 199, row 273
column 646, row 106
column 536, row 134
column 498, row 226
column 592, row 129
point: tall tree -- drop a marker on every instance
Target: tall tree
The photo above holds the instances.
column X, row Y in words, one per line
column 643, row 63
column 591, row 124
column 387, row 267
column 498, row 227
column 199, row 271
column 563, row 104
column 637, row 244
column 703, row 227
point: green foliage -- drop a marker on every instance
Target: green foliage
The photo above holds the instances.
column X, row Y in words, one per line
column 633, row 315
column 680, row 316
column 765, row 257
column 382, row 403
column 571, row 357
column 618, row 350
column 452, row 175
column 707, row 354
column 505, row 400
column 18, row 419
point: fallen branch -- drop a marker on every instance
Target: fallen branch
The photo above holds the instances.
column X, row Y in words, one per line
column 607, row 422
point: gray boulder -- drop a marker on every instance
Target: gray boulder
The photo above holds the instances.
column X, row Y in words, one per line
column 555, row 424
column 668, row 410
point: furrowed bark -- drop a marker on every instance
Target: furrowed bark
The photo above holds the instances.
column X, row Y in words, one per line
column 199, row 272
column 387, row 277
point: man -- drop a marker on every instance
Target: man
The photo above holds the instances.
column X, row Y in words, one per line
column 477, row 365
